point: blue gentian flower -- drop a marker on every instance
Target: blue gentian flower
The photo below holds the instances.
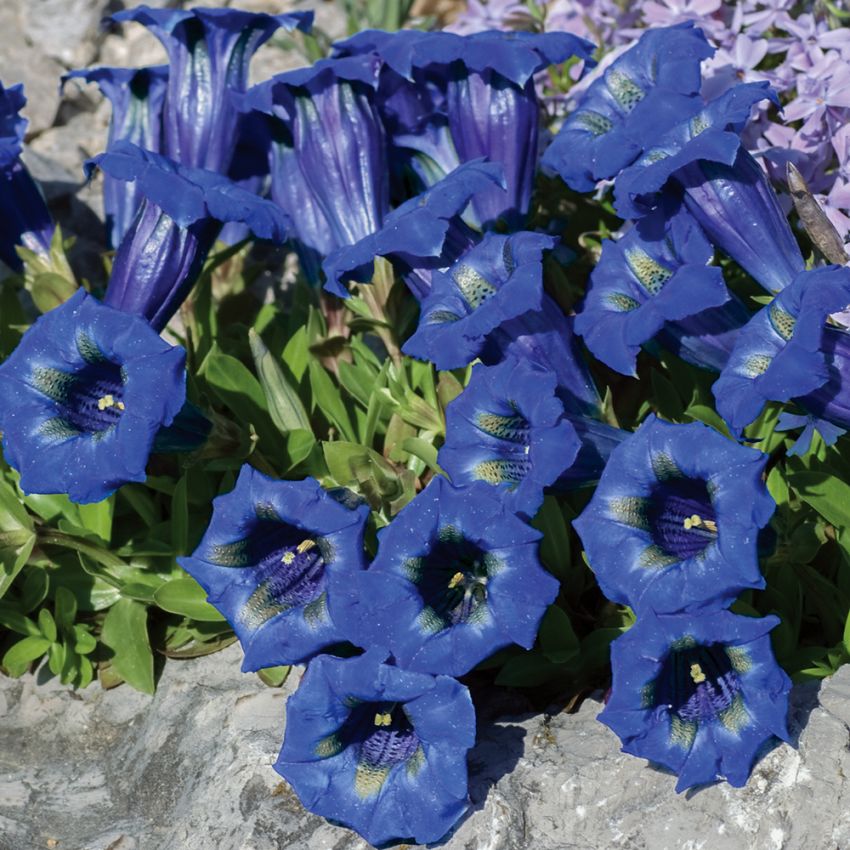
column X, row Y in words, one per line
column 490, row 303
column 787, row 352
column 674, row 522
column 162, row 254
column 209, row 51
column 329, row 158
column 654, row 276
column 425, row 233
column 84, row 395
column 272, row 561
column 638, row 97
column 379, row 749
column 698, row 693
column 488, row 100
column 507, row 428
column 23, row 212
column 456, row 577
column 724, row 188
column 137, row 96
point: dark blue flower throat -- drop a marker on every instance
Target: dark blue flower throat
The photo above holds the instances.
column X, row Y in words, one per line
column 452, row 580
column 382, row 737
column 89, row 400
column 288, row 565
column 681, row 517
column 700, row 684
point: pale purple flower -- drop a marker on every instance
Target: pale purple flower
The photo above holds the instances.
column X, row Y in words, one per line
column 707, row 14
column 734, row 64
column 766, row 15
column 481, row 15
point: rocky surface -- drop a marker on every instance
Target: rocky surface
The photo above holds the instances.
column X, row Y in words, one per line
column 191, row 768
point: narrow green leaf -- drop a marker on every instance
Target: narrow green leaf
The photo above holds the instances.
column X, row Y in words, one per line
column 97, row 517
column 19, row 657
column 15, row 621
column 274, row 677
column 47, row 625
column 557, row 638
column 125, row 632
column 285, row 406
column 555, row 545
column 527, row 670
column 65, row 608
column 180, row 518
column 186, row 597
column 327, row 398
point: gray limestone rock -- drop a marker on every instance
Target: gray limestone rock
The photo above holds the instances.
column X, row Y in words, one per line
column 191, row 768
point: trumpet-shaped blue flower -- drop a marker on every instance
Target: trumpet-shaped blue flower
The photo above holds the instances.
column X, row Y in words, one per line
column 639, row 96
column 137, row 96
column 209, row 51
column 674, row 522
column 23, row 212
column 162, row 254
column 655, row 275
column 487, row 102
column 273, row 561
column 456, row 577
column 507, row 428
column 724, row 188
column 379, row 749
column 698, row 693
column 787, row 352
column 423, row 234
column 84, row 395
column 490, row 304
column 329, row 161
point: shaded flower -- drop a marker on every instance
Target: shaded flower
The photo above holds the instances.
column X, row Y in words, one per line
column 423, row 234
column 23, row 212
column 209, row 51
column 649, row 279
column 328, row 157
column 725, row 190
column 273, row 560
column 787, row 352
column 84, row 395
column 456, row 577
column 162, row 254
column 489, row 101
column 699, row 694
column 674, row 522
column 507, row 428
column 810, row 424
column 379, row 749
column 638, row 97
column 136, row 96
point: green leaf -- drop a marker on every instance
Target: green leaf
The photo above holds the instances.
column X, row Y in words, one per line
column 97, row 517
column 18, row 658
column 15, row 621
column 528, row 670
column 285, row 406
column 828, row 495
column 186, row 597
column 84, row 641
column 47, row 625
column 13, row 515
column 274, row 677
column 15, row 550
column 296, row 354
column 557, row 638
column 327, row 398
column 125, row 632
column 555, row 545
column 35, row 589
column 424, row 450
column 235, row 386
column 65, row 608
column 180, row 518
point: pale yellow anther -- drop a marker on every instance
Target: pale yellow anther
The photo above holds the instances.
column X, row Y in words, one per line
column 687, row 523
column 710, row 525
column 383, row 719
column 455, row 580
column 288, row 557
column 696, row 674
column 108, row 401
column 304, row 546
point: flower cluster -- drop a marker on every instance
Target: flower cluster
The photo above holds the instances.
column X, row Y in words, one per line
column 672, row 531
column 416, row 154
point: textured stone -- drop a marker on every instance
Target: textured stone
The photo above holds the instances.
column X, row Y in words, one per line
column 191, row 768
